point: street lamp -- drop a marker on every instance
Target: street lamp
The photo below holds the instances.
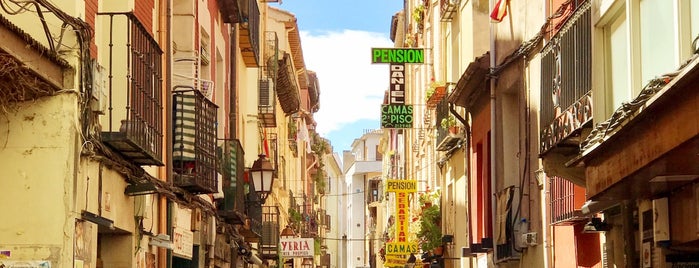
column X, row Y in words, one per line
column 262, row 174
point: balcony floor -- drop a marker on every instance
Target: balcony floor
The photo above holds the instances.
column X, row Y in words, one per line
column 129, row 149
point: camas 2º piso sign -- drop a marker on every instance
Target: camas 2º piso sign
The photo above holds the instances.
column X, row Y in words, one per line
column 396, row 116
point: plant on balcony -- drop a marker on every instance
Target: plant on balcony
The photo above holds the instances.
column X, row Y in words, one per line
column 435, row 87
column 418, row 15
column 430, row 234
column 428, row 198
column 295, row 219
column 448, row 122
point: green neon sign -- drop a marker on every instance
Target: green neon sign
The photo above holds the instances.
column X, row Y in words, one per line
column 396, row 116
column 397, row 55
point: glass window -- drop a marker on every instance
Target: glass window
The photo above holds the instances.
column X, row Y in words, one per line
column 658, row 41
column 618, row 51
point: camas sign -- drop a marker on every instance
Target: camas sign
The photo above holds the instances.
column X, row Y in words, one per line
column 396, row 116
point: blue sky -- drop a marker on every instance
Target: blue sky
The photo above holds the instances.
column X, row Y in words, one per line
column 337, row 37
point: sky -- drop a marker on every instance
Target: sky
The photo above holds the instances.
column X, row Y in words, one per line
column 336, row 38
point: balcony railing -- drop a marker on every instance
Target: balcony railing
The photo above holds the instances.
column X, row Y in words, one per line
column 267, row 103
column 134, row 125
column 270, row 233
column 250, row 32
column 252, row 229
column 566, row 79
column 566, row 200
column 232, row 157
column 446, row 138
column 194, row 142
column 448, row 9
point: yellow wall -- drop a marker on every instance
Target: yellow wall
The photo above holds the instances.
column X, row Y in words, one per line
column 40, row 147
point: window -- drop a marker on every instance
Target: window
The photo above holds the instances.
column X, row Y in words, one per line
column 657, row 34
column 642, row 40
column 689, row 27
column 617, row 49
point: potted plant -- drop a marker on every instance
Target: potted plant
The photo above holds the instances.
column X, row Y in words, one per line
column 430, row 234
column 436, row 88
column 449, row 123
column 418, row 15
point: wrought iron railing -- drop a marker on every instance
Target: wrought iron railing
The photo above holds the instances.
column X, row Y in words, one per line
column 253, row 210
column 194, row 142
column 270, row 233
column 250, row 32
column 448, row 134
column 566, row 80
column 232, row 168
column 448, row 9
column 565, row 200
column 134, row 91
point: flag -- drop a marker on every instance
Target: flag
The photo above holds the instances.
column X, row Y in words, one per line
column 499, row 10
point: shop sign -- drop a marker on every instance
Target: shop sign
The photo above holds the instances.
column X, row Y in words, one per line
column 183, row 241
column 396, row 91
column 406, row 186
column 296, row 247
column 401, row 248
column 397, row 55
column 396, row 116
column 395, row 261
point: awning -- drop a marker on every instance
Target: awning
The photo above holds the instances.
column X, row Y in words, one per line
column 471, row 83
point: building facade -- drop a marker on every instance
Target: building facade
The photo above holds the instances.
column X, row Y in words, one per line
column 142, row 112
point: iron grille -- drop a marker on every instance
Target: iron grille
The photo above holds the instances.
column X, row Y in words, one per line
column 135, row 79
column 232, row 167
column 270, row 232
column 566, row 200
column 194, row 142
column 566, row 79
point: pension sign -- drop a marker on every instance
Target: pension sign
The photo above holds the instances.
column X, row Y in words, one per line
column 396, row 116
column 408, row 186
column 397, row 55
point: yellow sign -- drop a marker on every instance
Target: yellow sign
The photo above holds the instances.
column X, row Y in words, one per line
column 401, row 248
column 402, row 214
column 395, row 261
column 401, row 186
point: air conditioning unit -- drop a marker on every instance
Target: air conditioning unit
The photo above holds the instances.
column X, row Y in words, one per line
column 266, row 97
column 529, row 239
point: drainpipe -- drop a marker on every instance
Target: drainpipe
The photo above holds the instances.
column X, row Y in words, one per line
column 493, row 137
column 233, row 114
column 165, row 219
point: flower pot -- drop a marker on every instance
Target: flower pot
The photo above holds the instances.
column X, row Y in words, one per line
column 438, row 251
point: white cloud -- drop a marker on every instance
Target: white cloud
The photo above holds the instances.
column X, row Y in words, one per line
column 351, row 87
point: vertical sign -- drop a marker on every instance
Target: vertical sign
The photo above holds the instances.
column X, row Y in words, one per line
column 396, row 114
column 396, row 93
column 401, row 188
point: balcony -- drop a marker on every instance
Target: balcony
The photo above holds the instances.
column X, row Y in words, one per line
column 447, row 138
column 194, row 142
column 566, row 200
column 269, row 242
column 250, row 32
column 448, row 9
column 232, row 159
column 134, row 123
column 566, row 102
column 287, row 88
column 253, row 225
column 375, row 193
